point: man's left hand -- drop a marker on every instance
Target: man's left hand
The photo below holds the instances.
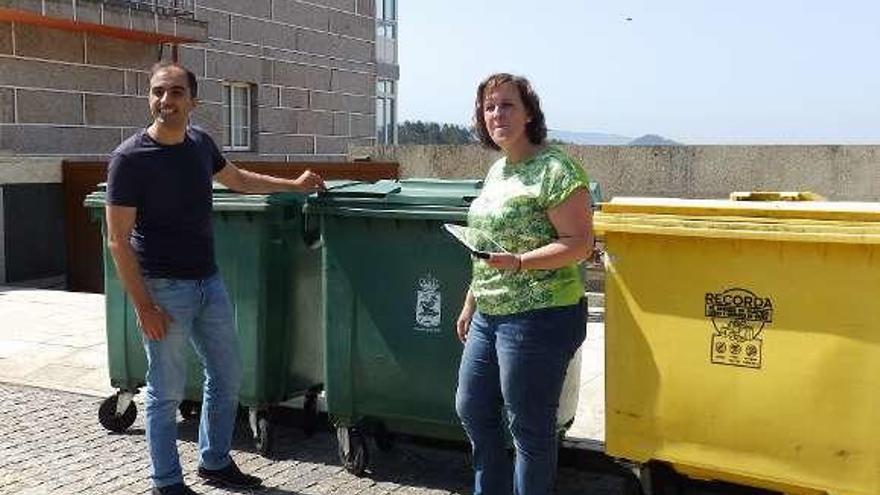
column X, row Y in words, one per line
column 308, row 182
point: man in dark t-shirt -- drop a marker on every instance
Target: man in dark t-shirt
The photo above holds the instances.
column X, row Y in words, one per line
column 159, row 233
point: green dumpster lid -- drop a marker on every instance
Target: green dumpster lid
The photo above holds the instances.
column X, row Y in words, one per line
column 412, row 198
column 427, row 192
column 805, row 221
column 362, row 189
column 225, row 199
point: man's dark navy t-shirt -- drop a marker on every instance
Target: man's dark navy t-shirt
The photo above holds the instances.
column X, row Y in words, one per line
column 171, row 187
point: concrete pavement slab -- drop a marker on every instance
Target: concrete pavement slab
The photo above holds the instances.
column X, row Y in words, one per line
column 54, row 339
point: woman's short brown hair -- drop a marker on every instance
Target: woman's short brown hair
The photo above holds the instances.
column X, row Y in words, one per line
column 536, row 128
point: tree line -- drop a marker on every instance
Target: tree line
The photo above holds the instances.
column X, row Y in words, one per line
column 418, row 132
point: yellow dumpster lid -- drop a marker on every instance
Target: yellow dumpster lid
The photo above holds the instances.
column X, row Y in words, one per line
column 806, row 221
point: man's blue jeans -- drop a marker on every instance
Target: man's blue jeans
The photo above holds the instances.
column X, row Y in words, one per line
column 202, row 315
column 516, row 363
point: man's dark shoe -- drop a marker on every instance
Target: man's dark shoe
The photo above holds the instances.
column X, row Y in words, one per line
column 178, row 489
column 230, row 476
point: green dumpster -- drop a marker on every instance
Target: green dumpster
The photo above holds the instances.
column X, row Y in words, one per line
column 394, row 284
column 273, row 278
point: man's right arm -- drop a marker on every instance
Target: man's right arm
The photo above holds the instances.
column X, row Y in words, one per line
column 120, row 223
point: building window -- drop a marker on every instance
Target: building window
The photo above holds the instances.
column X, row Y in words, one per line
column 386, row 112
column 236, row 117
column 386, row 31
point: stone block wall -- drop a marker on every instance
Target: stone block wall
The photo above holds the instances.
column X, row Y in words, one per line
column 311, row 67
column 310, row 64
column 841, row 173
column 69, row 93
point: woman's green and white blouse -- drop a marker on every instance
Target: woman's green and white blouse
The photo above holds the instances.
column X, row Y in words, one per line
column 512, row 209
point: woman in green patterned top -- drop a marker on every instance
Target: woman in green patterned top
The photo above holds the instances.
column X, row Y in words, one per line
column 524, row 316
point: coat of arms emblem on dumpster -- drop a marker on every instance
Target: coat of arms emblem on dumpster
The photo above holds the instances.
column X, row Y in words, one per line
column 738, row 317
column 428, row 303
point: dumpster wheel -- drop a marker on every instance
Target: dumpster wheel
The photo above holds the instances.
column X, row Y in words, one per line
column 352, row 450
column 262, row 430
column 658, row 478
column 310, row 411
column 263, row 440
column 111, row 418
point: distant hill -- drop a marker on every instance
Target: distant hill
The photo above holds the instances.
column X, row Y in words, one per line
column 417, row 132
column 603, row 139
column 588, row 138
column 652, row 140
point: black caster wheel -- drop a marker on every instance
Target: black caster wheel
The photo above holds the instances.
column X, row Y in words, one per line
column 263, row 431
column 310, row 414
column 111, row 419
column 265, row 437
column 658, row 478
column 190, row 410
column 263, row 441
column 352, row 450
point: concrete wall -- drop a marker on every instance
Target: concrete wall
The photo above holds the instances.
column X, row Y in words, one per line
column 29, row 170
column 31, row 219
column 836, row 172
column 32, row 232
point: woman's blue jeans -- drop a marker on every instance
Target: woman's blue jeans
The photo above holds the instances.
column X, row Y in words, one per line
column 201, row 315
column 516, row 364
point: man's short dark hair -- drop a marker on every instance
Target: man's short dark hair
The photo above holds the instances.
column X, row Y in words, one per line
column 190, row 77
column 536, row 128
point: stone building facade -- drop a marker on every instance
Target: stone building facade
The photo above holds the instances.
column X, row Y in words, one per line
column 279, row 81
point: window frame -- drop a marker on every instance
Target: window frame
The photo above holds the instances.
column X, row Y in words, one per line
column 386, row 111
column 230, row 122
column 385, row 14
column 386, row 31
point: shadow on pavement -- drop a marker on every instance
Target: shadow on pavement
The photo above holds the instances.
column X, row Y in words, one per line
column 418, row 463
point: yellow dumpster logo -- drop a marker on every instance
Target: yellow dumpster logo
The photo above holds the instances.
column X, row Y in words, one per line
column 738, row 317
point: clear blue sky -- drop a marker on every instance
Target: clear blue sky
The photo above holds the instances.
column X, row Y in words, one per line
column 697, row 71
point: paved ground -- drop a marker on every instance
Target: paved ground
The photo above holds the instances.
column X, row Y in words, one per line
column 56, row 339
column 53, row 339
column 53, row 376
column 51, row 443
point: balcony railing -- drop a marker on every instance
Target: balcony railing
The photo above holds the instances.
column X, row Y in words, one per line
column 173, row 8
column 150, row 21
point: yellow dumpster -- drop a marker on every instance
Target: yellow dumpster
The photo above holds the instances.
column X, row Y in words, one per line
column 743, row 340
